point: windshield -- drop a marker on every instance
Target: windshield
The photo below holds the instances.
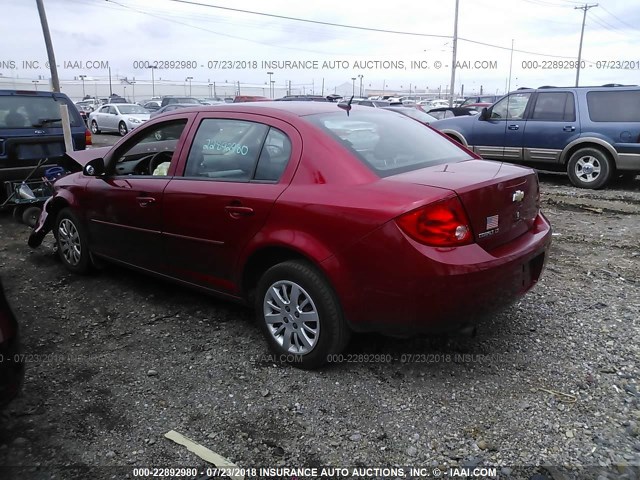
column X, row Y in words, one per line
column 131, row 109
column 388, row 144
column 24, row 111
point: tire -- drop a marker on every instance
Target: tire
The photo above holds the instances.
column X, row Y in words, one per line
column 18, row 210
column 94, row 127
column 122, row 129
column 31, row 215
column 71, row 240
column 590, row 168
column 326, row 335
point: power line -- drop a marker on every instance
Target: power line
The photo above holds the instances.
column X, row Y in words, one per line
column 620, row 20
column 356, row 27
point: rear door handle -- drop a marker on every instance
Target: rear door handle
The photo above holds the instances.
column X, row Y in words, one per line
column 513, row 127
column 569, row 128
column 145, row 201
column 236, row 211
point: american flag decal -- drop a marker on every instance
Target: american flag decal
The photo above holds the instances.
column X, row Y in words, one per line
column 492, row 222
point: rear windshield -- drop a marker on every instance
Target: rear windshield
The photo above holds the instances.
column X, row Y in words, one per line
column 388, row 144
column 620, row 106
column 25, row 111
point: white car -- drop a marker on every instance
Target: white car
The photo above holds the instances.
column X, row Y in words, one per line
column 117, row 117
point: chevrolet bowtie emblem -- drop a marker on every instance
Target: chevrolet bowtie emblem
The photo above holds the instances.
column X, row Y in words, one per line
column 518, row 196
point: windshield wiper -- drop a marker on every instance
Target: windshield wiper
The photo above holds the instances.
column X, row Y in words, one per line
column 41, row 122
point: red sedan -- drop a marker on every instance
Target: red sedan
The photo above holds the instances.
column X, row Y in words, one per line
column 327, row 220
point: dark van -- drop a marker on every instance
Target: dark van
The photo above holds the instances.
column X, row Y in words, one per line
column 31, row 130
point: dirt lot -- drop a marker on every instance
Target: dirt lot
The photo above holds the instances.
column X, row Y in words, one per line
column 116, row 359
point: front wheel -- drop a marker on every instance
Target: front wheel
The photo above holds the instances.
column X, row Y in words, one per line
column 122, row 129
column 300, row 315
column 71, row 240
column 589, row 168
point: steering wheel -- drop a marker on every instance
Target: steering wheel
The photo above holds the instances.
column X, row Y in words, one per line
column 157, row 158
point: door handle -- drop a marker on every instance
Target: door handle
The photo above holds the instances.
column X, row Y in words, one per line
column 145, row 201
column 513, row 127
column 236, row 211
column 569, row 128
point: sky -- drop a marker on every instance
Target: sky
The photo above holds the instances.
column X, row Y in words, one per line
column 195, row 39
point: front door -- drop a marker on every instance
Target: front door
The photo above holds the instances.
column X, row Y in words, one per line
column 124, row 207
column 500, row 136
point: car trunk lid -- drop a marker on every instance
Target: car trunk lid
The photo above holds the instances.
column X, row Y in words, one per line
column 501, row 200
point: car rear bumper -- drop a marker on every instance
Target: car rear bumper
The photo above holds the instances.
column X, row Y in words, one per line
column 408, row 287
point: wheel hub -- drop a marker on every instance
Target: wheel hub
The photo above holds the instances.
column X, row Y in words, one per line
column 292, row 317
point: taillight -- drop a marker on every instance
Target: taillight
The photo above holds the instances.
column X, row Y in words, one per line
column 87, row 138
column 441, row 224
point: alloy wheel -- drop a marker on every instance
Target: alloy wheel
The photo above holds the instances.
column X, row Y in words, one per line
column 69, row 241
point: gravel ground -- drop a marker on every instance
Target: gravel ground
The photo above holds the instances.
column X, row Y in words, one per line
column 548, row 388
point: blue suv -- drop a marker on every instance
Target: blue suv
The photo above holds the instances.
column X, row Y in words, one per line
column 31, row 130
column 591, row 132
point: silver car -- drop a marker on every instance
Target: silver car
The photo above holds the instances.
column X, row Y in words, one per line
column 118, row 117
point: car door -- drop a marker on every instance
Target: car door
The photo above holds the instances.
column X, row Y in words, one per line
column 236, row 168
column 124, row 207
column 552, row 125
column 500, row 135
column 101, row 117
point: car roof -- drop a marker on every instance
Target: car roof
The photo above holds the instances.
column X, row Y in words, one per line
column 281, row 109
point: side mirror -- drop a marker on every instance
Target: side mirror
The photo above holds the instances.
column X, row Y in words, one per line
column 94, row 168
column 484, row 114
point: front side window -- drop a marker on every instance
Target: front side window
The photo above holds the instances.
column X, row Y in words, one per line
column 511, row 107
column 226, row 150
column 151, row 152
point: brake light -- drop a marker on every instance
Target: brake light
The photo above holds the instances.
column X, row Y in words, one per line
column 441, row 224
column 87, row 138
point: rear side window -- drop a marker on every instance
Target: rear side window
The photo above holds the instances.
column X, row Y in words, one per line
column 23, row 111
column 555, row 107
column 614, row 106
column 387, row 143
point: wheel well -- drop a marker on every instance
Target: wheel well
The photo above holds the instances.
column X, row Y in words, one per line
column 261, row 261
column 454, row 138
column 56, row 205
column 595, row 146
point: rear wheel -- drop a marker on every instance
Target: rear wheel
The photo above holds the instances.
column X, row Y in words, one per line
column 94, row 127
column 71, row 239
column 590, row 168
column 122, row 129
column 31, row 215
column 300, row 314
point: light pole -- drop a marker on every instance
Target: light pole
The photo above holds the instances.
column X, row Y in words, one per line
column 353, row 90
column 270, row 83
column 188, row 79
column 153, row 82
column 82, row 77
column 35, row 83
column 125, row 93
column 273, row 88
column 360, row 77
column 133, row 83
column 210, row 85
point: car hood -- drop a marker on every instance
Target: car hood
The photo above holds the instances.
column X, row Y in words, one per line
column 452, row 122
column 76, row 160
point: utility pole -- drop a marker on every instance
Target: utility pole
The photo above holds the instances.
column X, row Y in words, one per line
column 453, row 61
column 585, row 7
column 47, row 41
